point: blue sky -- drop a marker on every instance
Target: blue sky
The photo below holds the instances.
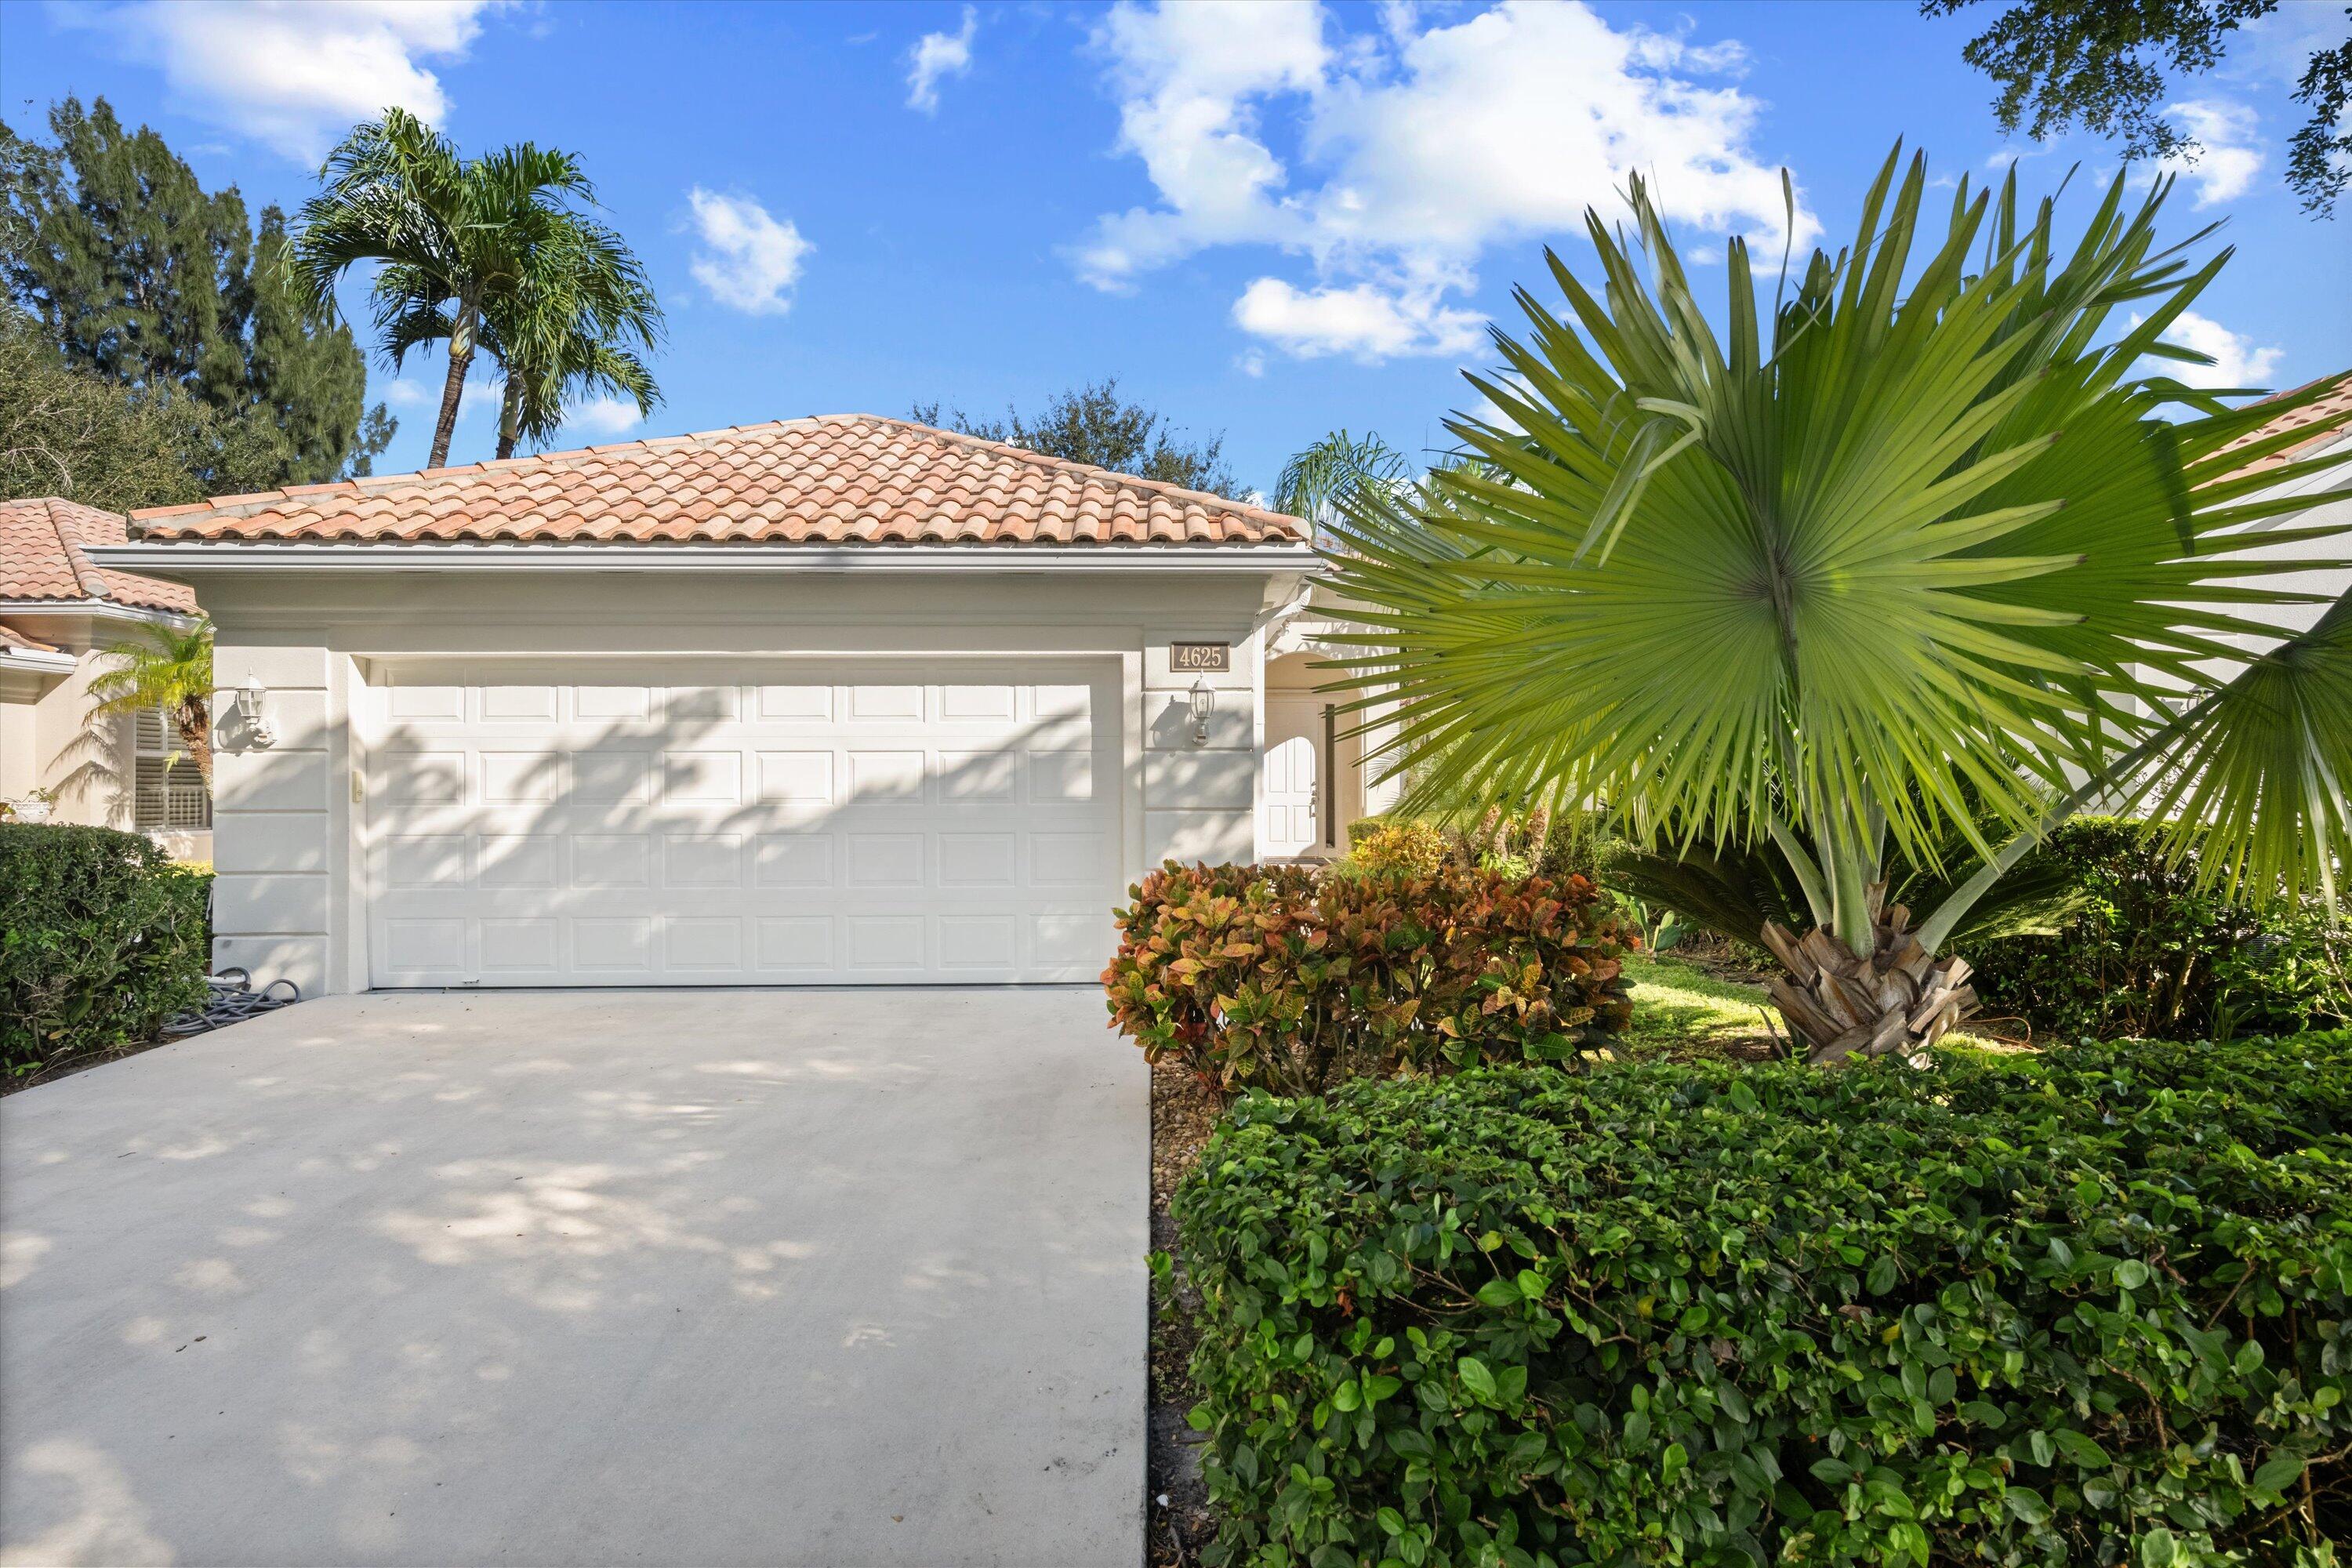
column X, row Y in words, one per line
column 1268, row 220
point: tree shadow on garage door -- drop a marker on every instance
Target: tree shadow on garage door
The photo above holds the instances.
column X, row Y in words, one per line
column 707, row 842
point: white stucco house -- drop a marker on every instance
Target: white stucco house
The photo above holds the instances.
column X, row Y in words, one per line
column 836, row 699
column 59, row 612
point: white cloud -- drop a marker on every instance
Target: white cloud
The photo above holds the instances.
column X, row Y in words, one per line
column 937, row 55
column 749, row 259
column 417, row 393
column 2008, row 152
column 2236, row 361
column 1364, row 319
column 2228, row 155
column 1421, row 148
column 294, row 74
column 604, row 417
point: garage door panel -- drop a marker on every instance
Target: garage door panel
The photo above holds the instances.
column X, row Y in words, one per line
column 524, row 861
column 563, row 825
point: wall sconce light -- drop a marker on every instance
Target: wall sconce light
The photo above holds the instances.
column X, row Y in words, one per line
column 1204, row 702
column 249, row 699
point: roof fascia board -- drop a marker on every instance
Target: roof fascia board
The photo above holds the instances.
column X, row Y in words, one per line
column 246, row 556
column 97, row 609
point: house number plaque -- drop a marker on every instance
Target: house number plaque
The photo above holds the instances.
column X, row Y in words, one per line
column 1202, row 655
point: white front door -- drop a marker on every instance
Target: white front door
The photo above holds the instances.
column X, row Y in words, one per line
column 670, row 823
column 1290, row 778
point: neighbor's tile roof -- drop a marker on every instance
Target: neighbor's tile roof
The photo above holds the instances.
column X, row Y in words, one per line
column 43, row 555
column 832, row 479
column 14, row 641
column 2337, row 403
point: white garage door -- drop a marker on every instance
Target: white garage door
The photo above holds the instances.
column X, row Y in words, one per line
column 656, row 824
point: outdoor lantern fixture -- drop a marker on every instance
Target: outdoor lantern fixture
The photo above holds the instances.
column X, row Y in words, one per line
column 1204, row 702
column 249, row 697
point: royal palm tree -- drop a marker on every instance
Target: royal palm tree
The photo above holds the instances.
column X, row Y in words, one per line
column 574, row 329
column 1318, row 476
column 468, row 241
column 171, row 670
column 1913, row 564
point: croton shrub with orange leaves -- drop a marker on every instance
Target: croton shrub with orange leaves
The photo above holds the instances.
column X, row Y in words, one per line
column 1272, row 977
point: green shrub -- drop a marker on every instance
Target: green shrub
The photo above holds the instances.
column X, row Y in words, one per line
column 1272, row 977
column 2085, row 1308
column 2148, row 954
column 104, row 939
column 1408, row 847
column 1572, row 842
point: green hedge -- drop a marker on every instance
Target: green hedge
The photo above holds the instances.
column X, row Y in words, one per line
column 1274, row 977
column 2086, row 1308
column 104, row 939
column 2148, row 954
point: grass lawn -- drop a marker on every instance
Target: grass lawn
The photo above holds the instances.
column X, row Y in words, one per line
column 1681, row 1010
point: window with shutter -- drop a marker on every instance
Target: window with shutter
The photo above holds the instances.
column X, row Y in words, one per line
column 167, row 789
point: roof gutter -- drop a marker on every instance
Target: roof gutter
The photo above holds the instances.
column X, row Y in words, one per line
column 209, row 555
column 36, row 659
column 96, row 609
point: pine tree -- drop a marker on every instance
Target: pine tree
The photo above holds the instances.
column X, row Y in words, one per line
column 138, row 274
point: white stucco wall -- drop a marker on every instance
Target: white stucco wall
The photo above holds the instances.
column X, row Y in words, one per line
column 289, row 896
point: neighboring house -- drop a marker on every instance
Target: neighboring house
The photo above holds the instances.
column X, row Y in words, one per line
column 60, row 611
column 2329, row 495
column 839, row 700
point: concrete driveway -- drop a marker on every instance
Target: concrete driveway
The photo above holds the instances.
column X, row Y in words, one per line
column 829, row 1276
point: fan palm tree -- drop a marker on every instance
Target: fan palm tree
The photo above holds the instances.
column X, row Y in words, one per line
column 171, row 668
column 465, row 241
column 1920, row 557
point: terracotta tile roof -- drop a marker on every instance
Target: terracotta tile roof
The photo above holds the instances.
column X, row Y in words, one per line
column 2336, row 402
column 43, row 555
column 832, row 479
column 14, row 641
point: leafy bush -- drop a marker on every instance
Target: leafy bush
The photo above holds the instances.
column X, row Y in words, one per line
column 2088, row 1309
column 104, row 939
column 1271, row 977
column 1410, row 847
column 1558, row 845
column 2146, row 954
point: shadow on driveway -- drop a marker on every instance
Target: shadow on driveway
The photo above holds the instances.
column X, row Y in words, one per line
column 730, row 1277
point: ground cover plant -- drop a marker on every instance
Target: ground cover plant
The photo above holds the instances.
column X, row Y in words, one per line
column 2081, row 1307
column 104, row 939
column 1280, row 978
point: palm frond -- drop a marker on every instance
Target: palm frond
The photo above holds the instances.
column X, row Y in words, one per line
column 1922, row 539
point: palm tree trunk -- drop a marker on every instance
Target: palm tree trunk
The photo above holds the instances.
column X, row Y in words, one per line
column 195, row 725
column 452, row 389
column 1844, row 1003
column 509, row 415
